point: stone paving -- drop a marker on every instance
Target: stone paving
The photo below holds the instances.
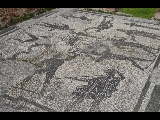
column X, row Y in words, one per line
column 71, row 60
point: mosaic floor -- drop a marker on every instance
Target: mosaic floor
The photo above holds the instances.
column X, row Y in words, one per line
column 70, row 60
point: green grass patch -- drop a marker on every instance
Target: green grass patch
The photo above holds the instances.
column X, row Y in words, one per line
column 147, row 13
column 1, row 28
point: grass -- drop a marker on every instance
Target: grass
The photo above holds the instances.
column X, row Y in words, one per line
column 1, row 28
column 147, row 13
column 25, row 17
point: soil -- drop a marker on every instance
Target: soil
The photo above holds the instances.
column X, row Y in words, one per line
column 8, row 14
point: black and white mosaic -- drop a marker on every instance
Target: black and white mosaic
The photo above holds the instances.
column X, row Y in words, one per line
column 70, row 60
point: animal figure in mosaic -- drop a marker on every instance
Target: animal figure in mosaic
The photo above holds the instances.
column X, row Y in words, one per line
column 97, row 89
